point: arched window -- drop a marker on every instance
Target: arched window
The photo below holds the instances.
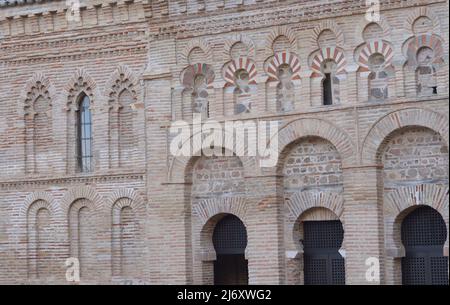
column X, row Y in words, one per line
column 426, row 73
column 378, row 78
column 330, row 83
column 285, row 89
column 200, row 96
column 242, row 92
column 84, row 135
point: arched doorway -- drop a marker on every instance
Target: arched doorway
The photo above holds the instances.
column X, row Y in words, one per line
column 323, row 264
column 424, row 233
column 230, row 241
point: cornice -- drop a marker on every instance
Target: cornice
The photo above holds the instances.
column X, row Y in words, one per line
column 74, row 48
column 16, row 183
column 9, row 3
column 361, row 106
column 77, row 56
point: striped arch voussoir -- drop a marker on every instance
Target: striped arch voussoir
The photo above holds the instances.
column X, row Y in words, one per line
column 189, row 74
column 433, row 42
column 375, row 47
column 282, row 58
column 242, row 63
column 330, row 53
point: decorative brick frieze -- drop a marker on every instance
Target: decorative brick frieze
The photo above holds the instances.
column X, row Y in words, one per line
column 68, row 180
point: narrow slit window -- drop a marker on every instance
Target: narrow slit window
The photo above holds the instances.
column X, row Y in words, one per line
column 327, row 90
column 84, row 144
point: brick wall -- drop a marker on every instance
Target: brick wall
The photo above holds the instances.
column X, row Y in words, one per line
column 145, row 216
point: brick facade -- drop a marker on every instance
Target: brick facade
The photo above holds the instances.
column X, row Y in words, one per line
column 145, row 216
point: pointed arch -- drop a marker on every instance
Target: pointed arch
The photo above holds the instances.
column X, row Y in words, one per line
column 36, row 108
column 123, row 92
column 37, row 85
column 123, row 78
column 80, row 83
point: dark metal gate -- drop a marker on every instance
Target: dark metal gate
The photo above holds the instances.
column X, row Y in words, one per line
column 424, row 234
column 230, row 242
column 323, row 264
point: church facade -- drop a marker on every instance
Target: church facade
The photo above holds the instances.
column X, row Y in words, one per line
column 91, row 96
